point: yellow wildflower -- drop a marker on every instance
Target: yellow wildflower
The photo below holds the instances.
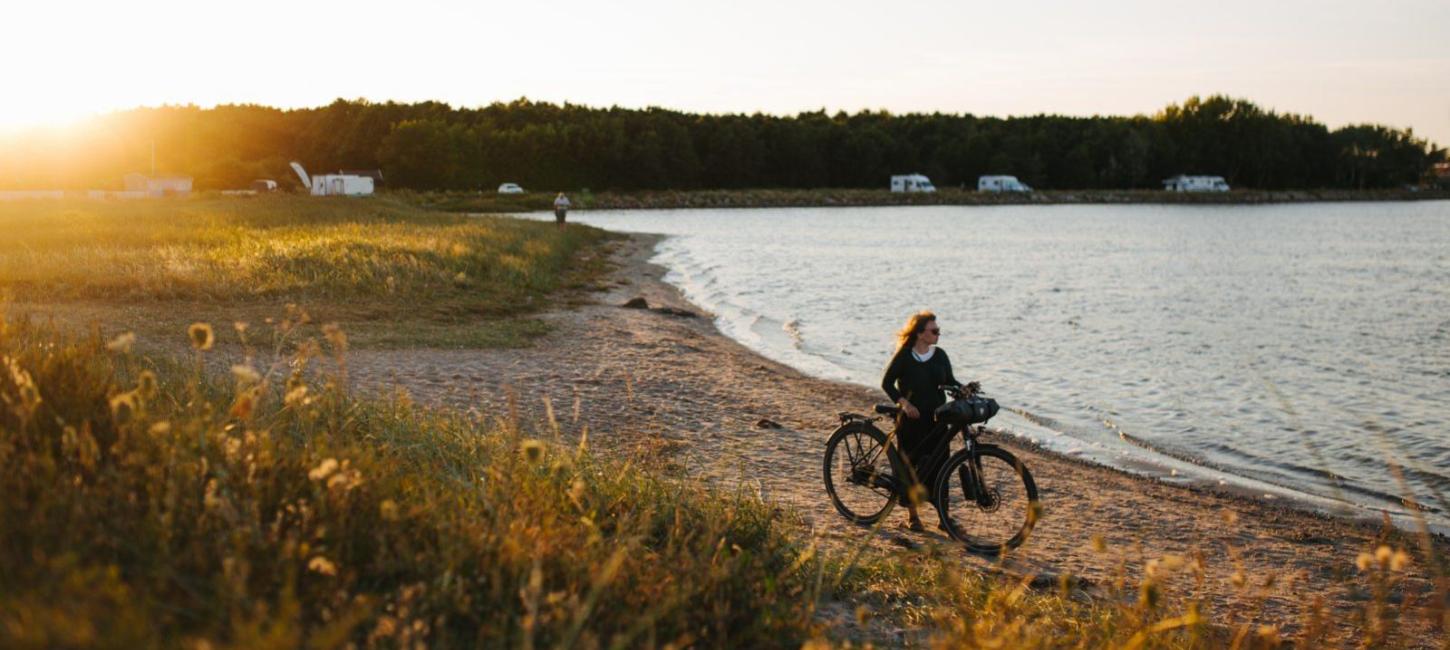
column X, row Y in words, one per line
column 210, row 499
column 323, row 470
column 533, row 450
column 246, row 375
column 201, row 336
column 122, row 343
column 345, row 479
column 335, row 336
column 123, row 407
column 319, row 564
column 296, row 395
column 146, row 384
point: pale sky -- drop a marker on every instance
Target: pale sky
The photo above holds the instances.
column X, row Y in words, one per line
column 1341, row 62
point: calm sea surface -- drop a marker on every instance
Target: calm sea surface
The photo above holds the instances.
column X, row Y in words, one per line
column 1295, row 351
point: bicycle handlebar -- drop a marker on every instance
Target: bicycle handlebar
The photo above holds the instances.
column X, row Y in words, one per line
column 971, row 388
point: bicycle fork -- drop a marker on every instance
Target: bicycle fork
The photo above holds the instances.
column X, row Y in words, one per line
column 974, row 488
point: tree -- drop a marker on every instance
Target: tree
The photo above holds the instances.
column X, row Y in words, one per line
column 422, row 154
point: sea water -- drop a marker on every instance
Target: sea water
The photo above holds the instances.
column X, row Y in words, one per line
column 1297, row 351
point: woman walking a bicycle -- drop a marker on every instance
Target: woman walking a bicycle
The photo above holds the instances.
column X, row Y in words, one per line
column 982, row 494
column 913, row 380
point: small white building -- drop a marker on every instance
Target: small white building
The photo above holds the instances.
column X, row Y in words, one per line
column 156, row 186
column 1001, row 184
column 911, row 183
column 334, row 184
column 1185, row 183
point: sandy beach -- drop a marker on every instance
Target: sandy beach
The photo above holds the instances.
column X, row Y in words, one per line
column 663, row 381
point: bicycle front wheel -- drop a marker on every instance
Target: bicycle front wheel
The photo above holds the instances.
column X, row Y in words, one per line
column 1000, row 514
column 858, row 473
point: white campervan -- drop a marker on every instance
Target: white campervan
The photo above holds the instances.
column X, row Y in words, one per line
column 1185, row 183
column 334, row 184
column 911, row 183
column 1001, row 184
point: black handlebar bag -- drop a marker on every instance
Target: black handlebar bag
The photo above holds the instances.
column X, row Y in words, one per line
column 969, row 410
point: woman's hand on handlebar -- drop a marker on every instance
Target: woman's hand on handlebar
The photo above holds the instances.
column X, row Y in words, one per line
column 970, row 389
column 908, row 409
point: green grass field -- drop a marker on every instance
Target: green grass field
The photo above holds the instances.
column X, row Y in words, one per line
column 394, row 275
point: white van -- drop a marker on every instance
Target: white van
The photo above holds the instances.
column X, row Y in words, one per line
column 1001, row 184
column 1186, row 183
column 334, row 184
column 911, row 183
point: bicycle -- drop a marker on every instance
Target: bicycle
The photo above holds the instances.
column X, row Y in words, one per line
column 984, row 495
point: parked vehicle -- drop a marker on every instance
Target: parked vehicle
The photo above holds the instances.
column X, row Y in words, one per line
column 334, row 184
column 510, row 188
column 1001, row 184
column 1185, row 183
column 911, row 183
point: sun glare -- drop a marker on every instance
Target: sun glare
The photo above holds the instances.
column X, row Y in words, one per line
column 60, row 114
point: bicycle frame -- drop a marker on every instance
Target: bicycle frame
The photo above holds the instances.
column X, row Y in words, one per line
column 971, row 471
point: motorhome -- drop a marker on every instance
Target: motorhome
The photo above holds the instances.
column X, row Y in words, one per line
column 334, row 184
column 1185, row 183
column 1001, row 184
column 911, row 183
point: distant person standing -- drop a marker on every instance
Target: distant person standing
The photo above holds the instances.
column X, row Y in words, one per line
column 561, row 209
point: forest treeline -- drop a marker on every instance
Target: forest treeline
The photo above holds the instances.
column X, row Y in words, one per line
column 431, row 146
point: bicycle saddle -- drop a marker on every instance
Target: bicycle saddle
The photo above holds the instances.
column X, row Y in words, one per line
column 887, row 408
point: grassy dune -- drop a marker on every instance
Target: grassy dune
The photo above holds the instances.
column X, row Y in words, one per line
column 146, row 505
column 392, row 274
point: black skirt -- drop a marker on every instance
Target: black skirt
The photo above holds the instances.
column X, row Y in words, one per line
column 918, row 440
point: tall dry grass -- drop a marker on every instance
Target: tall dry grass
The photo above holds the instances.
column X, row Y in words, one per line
column 145, row 504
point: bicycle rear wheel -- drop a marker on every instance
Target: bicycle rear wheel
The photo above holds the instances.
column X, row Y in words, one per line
column 995, row 521
column 858, row 473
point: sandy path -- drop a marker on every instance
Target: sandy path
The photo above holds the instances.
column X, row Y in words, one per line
column 672, row 385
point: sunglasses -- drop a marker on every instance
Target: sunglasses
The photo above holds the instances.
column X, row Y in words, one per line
column 936, row 331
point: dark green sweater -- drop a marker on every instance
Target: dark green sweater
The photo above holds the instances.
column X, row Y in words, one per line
column 917, row 381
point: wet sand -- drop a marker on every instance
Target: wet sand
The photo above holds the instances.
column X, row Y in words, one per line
column 660, row 382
